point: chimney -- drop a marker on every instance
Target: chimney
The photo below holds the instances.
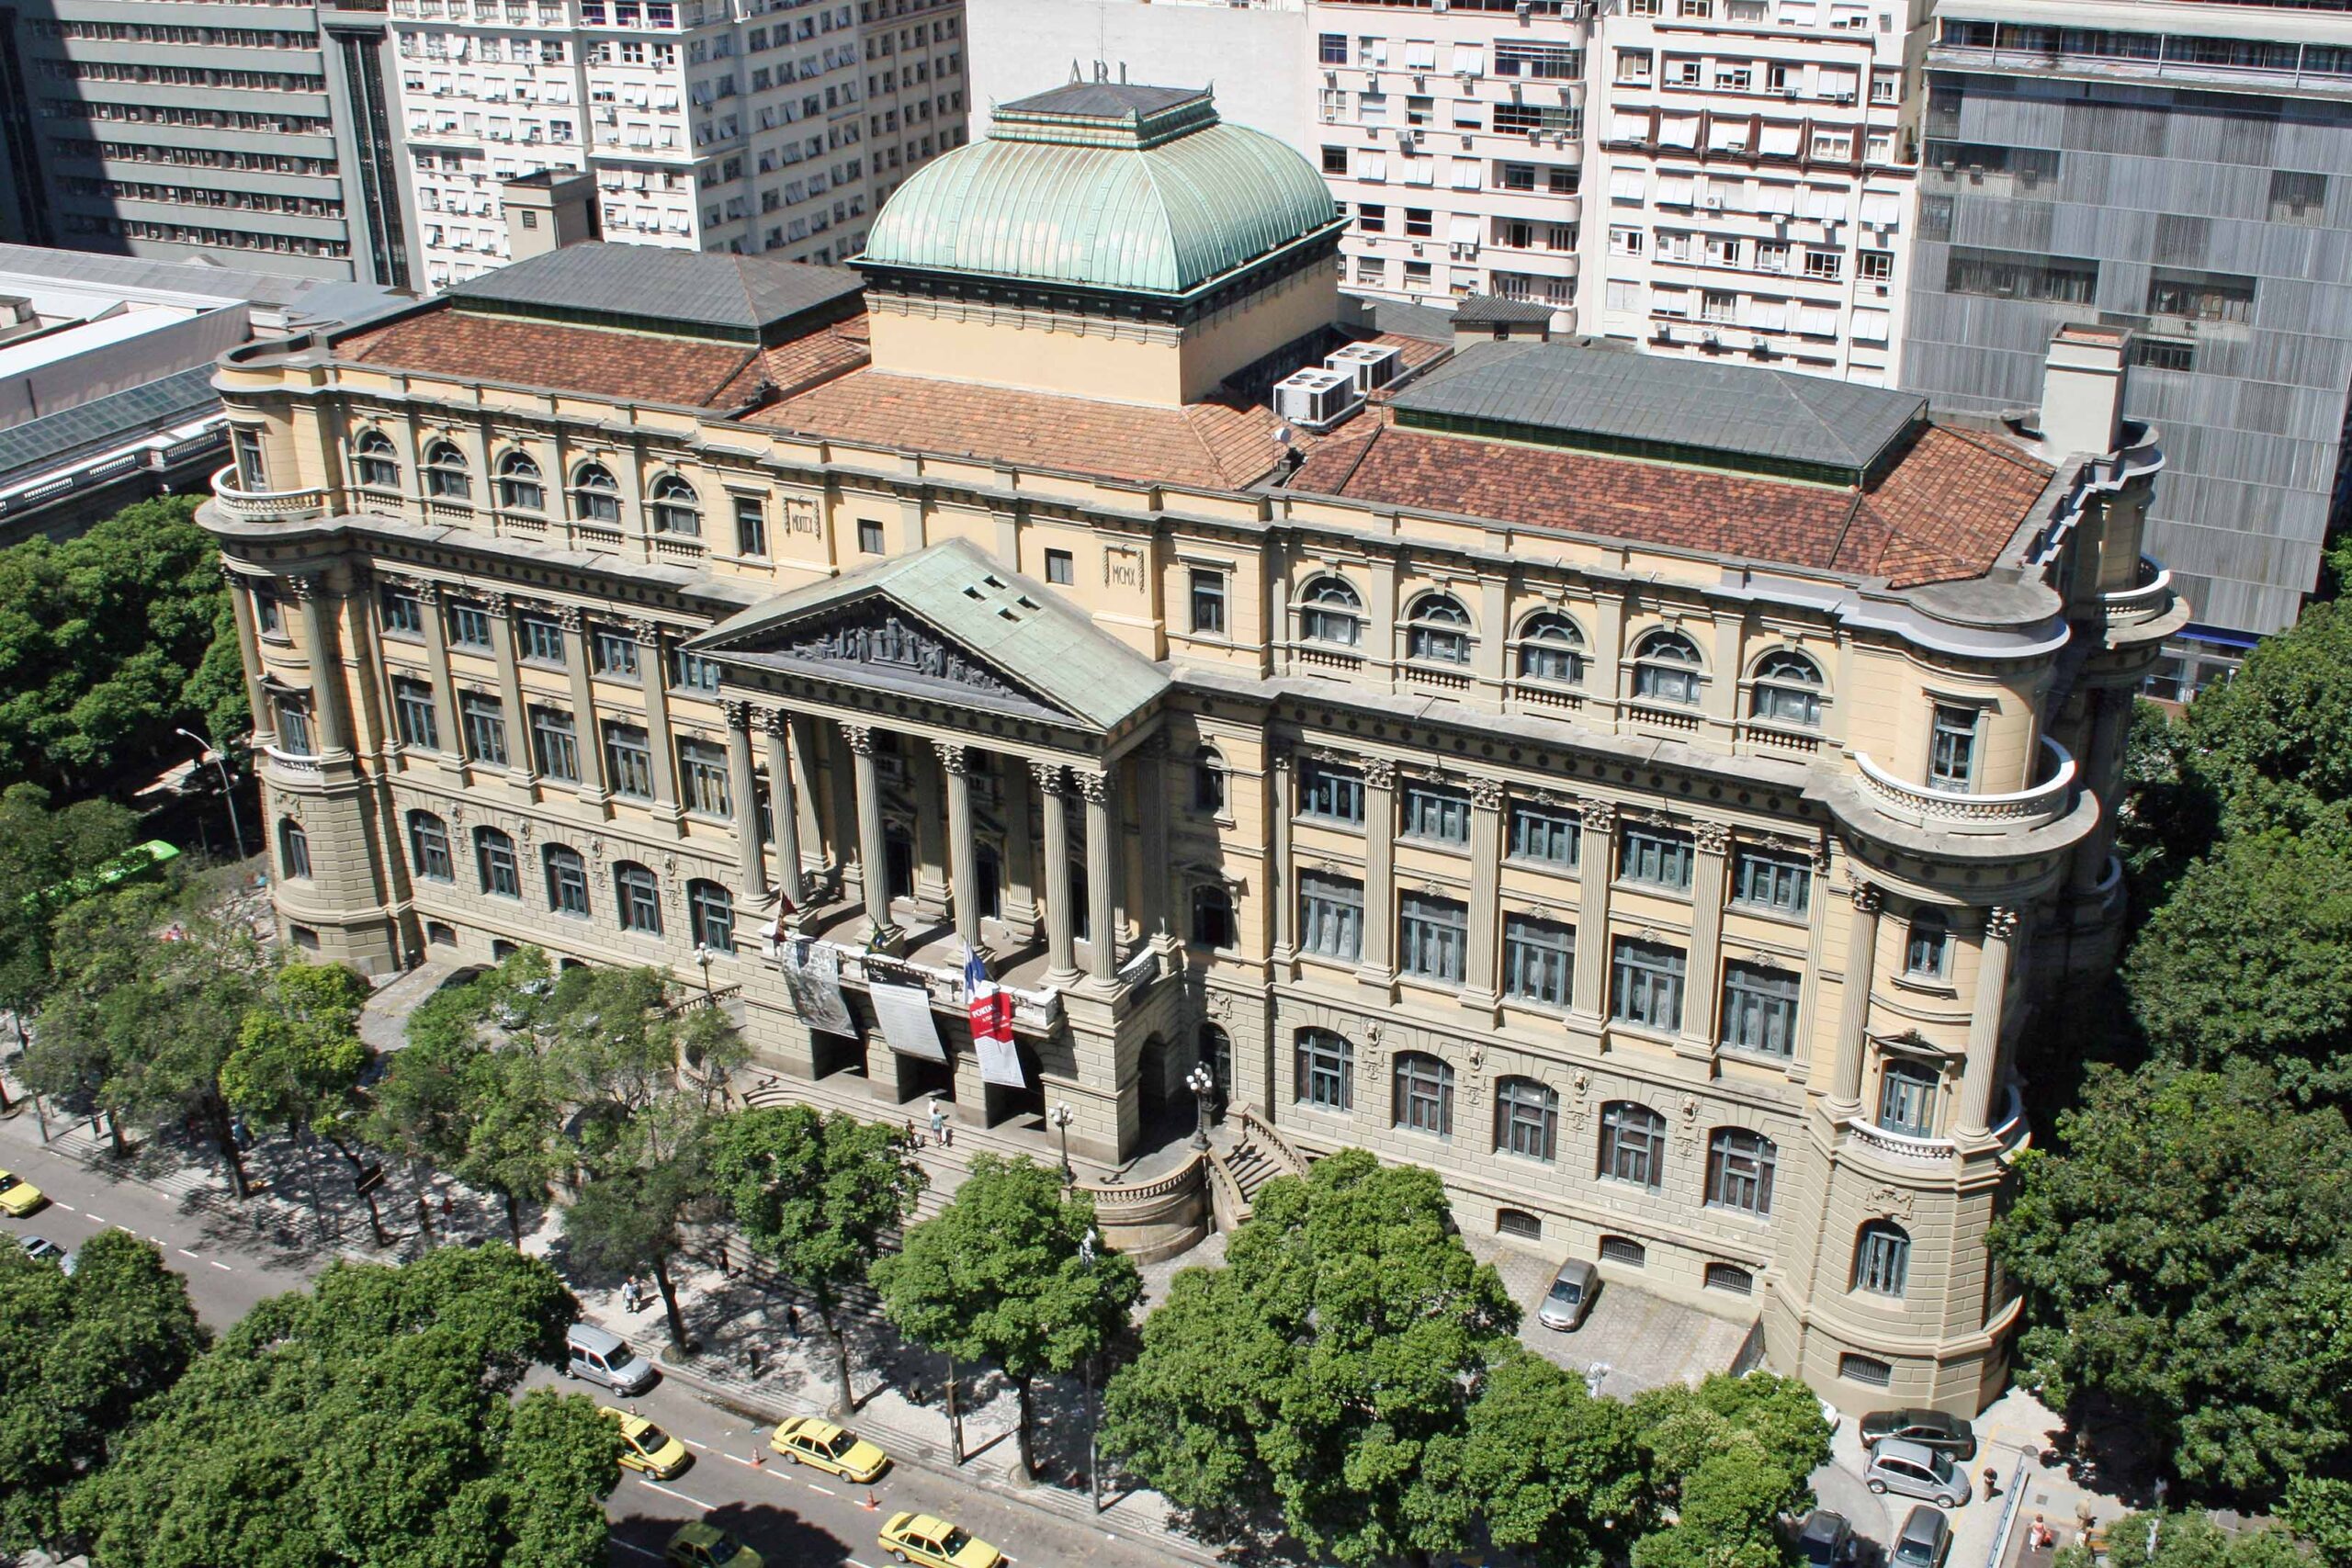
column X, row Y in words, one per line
column 548, row 210
column 2082, row 390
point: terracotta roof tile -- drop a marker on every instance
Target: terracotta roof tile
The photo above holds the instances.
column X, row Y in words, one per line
column 544, row 353
column 795, row 367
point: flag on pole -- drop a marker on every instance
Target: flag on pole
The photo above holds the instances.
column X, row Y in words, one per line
column 991, row 1006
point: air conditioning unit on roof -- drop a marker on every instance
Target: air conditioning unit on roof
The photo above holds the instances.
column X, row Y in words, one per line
column 1373, row 365
column 1317, row 399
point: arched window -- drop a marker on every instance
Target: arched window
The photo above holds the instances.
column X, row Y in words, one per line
column 567, row 881
column 1212, row 917
column 1926, row 953
column 596, row 495
column 1208, row 782
column 1438, row 630
column 1666, row 669
column 1730, row 1277
column 711, row 908
column 1788, row 690
column 676, row 508
column 1330, row 612
column 1551, row 648
column 520, row 487
column 373, row 461
column 1215, row 1048
column 1518, row 1223
column 495, row 856
column 293, row 849
column 1527, row 1117
column 1881, row 1258
column 446, row 478
column 1424, row 1094
column 1907, row 1098
column 638, row 894
column 428, row 847
column 1633, row 1144
column 1327, row 1070
column 1739, row 1170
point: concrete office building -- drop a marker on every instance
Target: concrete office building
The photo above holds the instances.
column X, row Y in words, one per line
column 2185, row 170
column 253, row 134
column 716, row 125
column 1652, row 793
column 1255, row 53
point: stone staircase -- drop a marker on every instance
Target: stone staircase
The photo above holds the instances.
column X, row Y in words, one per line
column 1256, row 1154
column 1251, row 1168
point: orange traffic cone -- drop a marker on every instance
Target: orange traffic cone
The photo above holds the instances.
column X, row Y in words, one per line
column 759, row 1458
column 870, row 1503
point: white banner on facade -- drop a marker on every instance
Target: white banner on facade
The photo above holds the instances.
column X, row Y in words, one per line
column 1000, row 1063
column 812, row 973
column 904, row 1012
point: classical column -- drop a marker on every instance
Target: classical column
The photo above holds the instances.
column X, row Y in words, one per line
column 931, row 888
column 1481, row 986
column 1150, row 893
column 1702, row 970
column 751, row 859
column 1017, row 876
column 963, row 848
column 1377, row 965
column 1283, row 894
column 587, row 733
column 874, row 858
column 653, row 673
column 241, row 599
column 1103, row 842
column 1596, row 858
column 1985, row 1023
column 1053, row 876
column 2102, row 772
column 321, row 646
column 521, row 766
column 783, row 804
column 436, row 658
column 1854, row 1014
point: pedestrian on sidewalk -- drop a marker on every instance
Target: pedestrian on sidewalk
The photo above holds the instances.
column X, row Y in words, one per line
column 792, row 1322
column 629, row 1293
column 910, row 1132
column 1991, row 1482
column 723, row 1269
column 939, row 1123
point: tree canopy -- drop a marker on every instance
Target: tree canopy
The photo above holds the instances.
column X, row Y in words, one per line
column 298, row 1057
column 42, row 848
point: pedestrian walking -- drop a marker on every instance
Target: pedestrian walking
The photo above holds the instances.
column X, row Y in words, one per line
column 629, row 1293
column 1991, row 1482
column 938, row 1123
column 723, row 1269
column 792, row 1322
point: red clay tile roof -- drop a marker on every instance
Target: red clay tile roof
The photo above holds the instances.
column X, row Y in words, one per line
column 1208, row 446
column 797, row 365
column 546, row 353
column 1945, row 512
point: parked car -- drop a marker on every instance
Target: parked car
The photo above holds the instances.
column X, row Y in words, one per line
column 1570, row 1297
column 935, row 1543
column 41, row 1249
column 18, row 1196
column 804, row 1440
column 645, row 1446
column 1925, row 1539
column 700, row 1545
column 1825, row 1540
column 1916, row 1471
column 599, row 1355
column 1929, row 1428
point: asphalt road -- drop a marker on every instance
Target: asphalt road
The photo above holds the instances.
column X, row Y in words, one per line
column 795, row 1518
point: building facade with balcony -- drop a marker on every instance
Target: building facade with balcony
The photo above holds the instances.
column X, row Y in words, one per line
column 1650, row 793
column 1751, row 178
column 2183, row 170
column 716, row 125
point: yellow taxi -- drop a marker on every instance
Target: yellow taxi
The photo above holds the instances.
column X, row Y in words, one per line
column 645, row 1446
column 804, row 1440
column 18, row 1196
column 919, row 1537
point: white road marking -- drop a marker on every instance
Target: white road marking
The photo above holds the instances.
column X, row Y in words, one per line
column 826, row 1490
column 97, row 1218
column 184, row 1252
column 641, row 1551
column 680, row 1496
column 739, row 1459
column 126, row 1230
column 691, row 1444
column 223, row 1267
column 67, row 1207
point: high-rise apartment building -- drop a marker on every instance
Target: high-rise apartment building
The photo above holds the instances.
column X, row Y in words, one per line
column 733, row 125
column 2185, row 170
column 255, row 133
column 1750, row 181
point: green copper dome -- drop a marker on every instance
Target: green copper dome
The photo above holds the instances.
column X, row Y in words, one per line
column 1104, row 185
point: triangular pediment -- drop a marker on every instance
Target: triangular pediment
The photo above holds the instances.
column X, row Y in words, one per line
column 949, row 625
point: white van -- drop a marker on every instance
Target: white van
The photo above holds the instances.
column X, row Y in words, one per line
column 598, row 1356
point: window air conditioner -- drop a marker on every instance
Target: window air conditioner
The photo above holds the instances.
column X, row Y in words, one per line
column 1317, row 399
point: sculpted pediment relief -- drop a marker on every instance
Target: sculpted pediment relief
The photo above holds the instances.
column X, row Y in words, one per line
column 881, row 645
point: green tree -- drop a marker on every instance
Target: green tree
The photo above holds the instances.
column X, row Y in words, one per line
column 2319, row 1509
column 2277, row 739
column 815, row 1195
column 368, row 1421
column 2185, row 1541
column 1726, row 1517
column 42, row 848
column 79, row 1354
column 109, row 640
column 652, row 1181
column 1012, row 1272
column 1326, row 1370
column 1556, row 1472
column 2189, row 1255
column 299, row 1056
column 1729, row 1458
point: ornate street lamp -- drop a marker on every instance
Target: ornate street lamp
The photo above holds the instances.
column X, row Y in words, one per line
column 1203, row 1083
column 1061, row 1117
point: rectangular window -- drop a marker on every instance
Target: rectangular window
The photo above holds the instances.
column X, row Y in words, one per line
column 702, row 778
column 567, row 884
column 1759, row 1009
column 483, row 719
column 1434, row 934
column 269, row 617
column 251, row 475
column 412, row 713
column 614, row 653
column 2200, row 296
column 1538, row 62
column 1331, row 49
column 1331, row 917
column 1927, row 950
column 1329, row 792
column 1436, row 814
column 1655, row 857
column 541, row 638
column 403, row 612
column 1325, row 1074
column 1951, row 752
column 1061, row 570
column 1208, row 602
column 750, row 526
column 628, row 761
column 2163, row 353
column 2066, row 280
column 1550, row 835
column 554, row 745
column 870, row 536
column 468, row 625
column 693, row 672
column 1778, row 883
column 1645, row 985
column 2297, row 197
column 1906, row 1099
column 1539, row 960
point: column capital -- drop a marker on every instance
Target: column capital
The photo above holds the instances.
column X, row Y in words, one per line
column 570, row 617
column 1095, row 787
column 1600, row 815
column 1712, row 837
column 2000, row 924
column 647, row 632
column 1486, row 794
column 1867, row 896
column 497, row 601
column 738, row 712
column 1048, row 775
column 954, row 756
column 776, row 722
column 427, row 588
column 305, row 586
column 1379, row 773
column 860, row 738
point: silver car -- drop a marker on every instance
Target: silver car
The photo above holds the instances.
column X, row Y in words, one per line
column 1915, row 1470
column 1570, row 1297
